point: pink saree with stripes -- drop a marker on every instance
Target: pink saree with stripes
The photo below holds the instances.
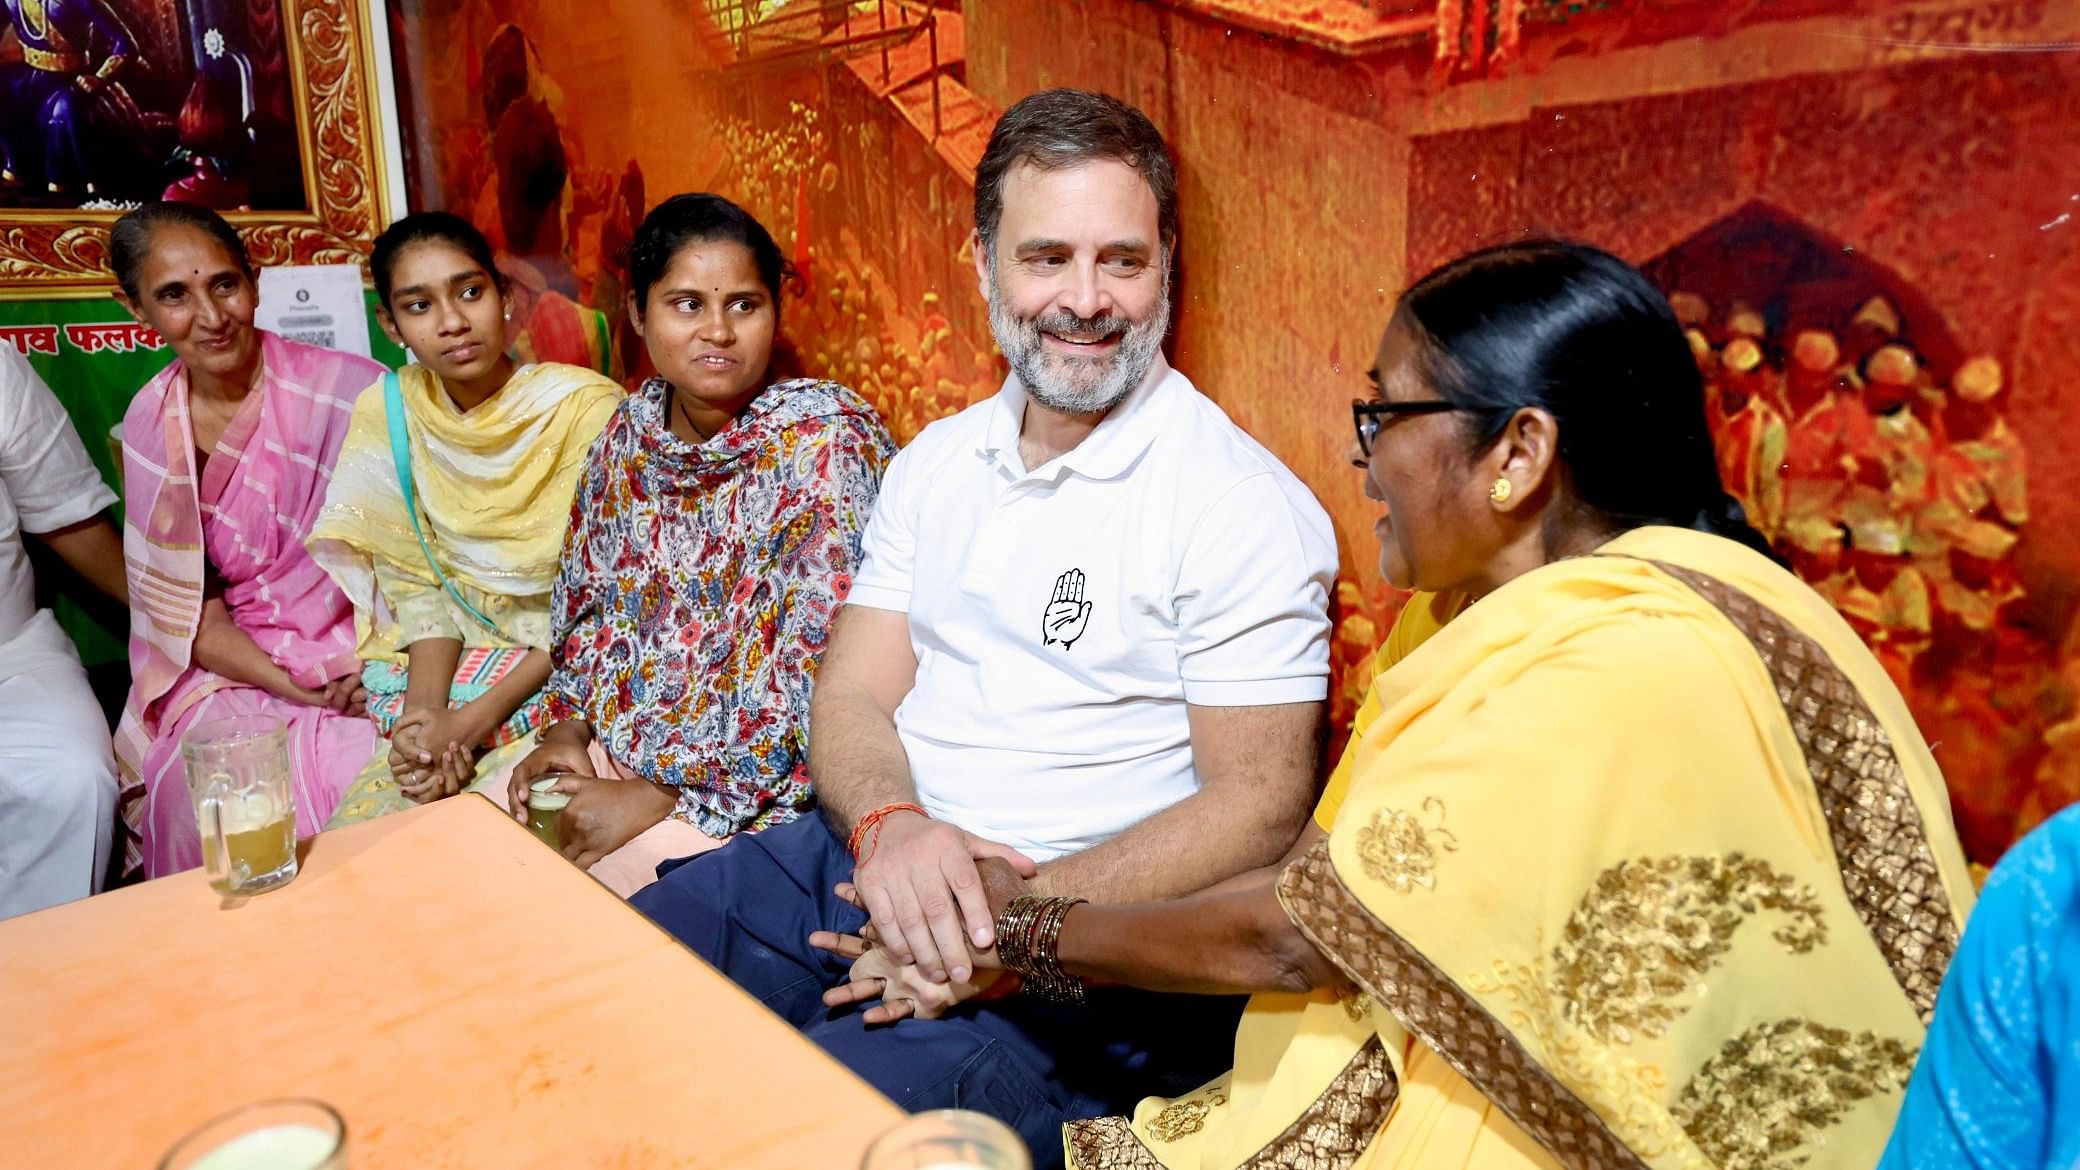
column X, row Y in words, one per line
column 244, row 519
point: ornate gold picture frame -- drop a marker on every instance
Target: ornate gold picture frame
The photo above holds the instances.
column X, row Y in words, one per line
column 337, row 105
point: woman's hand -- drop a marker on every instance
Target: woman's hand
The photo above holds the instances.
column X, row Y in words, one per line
column 606, row 813
column 345, row 695
column 557, row 751
column 1002, row 885
column 221, row 647
column 457, row 767
column 433, row 753
column 903, row 991
column 409, row 760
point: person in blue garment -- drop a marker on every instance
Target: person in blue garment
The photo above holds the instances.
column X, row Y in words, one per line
column 1998, row 1083
column 64, row 103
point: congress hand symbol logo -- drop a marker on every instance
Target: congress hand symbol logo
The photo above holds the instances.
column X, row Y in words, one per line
column 1067, row 612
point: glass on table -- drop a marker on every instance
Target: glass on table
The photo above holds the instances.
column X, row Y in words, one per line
column 245, row 802
column 948, row 1139
column 545, row 807
column 295, row 1133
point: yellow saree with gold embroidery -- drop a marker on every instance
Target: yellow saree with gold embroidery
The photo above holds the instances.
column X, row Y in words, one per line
column 1642, row 863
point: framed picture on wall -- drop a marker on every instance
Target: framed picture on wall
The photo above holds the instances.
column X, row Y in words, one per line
column 273, row 112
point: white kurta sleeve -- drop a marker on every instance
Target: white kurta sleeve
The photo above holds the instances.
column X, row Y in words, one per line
column 42, row 461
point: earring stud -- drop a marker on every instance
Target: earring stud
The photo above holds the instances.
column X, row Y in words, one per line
column 1501, row 490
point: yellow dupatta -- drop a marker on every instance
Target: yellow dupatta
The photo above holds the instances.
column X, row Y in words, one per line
column 494, row 489
column 1642, row 893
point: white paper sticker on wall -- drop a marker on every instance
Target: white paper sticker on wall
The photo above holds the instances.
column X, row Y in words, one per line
column 319, row 304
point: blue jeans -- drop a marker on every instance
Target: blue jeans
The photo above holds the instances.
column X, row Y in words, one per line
column 748, row 908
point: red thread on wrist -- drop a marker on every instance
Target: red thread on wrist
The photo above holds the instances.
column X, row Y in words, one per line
column 872, row 821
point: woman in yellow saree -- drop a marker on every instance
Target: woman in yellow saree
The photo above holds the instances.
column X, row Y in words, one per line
column 1641, row 861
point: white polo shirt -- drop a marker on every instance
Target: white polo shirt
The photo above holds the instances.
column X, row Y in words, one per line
column 46, row 483
column 1063, row 618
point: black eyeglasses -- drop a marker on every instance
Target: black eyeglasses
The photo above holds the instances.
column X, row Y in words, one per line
column 1369, row 414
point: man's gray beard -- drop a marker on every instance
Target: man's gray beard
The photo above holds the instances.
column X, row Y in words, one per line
column 1075, row 385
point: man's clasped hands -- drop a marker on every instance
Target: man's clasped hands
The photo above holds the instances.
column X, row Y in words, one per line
column 932, row 893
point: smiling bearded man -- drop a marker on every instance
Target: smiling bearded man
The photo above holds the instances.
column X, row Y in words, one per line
column 1079, row 383
column 1088, row 635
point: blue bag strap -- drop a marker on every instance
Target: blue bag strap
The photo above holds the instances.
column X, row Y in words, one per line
column 401, row 455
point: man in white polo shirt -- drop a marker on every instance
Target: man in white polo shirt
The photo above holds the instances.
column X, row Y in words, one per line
column 1089, row 636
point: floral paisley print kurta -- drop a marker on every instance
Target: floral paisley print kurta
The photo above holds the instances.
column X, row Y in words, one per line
column 697, row 585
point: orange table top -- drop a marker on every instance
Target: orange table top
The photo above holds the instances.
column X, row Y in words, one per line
column 462, row 995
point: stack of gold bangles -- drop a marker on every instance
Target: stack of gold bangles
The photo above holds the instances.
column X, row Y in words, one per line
column 1027, row 932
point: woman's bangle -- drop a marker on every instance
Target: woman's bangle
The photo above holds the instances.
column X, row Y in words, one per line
column 868, row 823
column 1029, row 934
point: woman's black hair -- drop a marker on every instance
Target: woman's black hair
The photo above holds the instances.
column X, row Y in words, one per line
column 698, row 219
column 130, row 240
column 419, row 227
column 1577, row 332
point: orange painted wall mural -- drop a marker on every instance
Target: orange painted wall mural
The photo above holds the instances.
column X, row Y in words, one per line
column 1867, row 212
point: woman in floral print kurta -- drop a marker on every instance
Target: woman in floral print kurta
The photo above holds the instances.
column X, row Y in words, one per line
column 712, row 540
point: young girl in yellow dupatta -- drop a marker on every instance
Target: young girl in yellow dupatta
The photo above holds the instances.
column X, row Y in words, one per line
column 446, row 516
column 1639, row 860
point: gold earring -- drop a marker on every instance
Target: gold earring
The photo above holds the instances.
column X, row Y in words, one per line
column 1501, row 490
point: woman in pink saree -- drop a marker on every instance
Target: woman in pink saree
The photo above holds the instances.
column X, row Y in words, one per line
column 226, row 458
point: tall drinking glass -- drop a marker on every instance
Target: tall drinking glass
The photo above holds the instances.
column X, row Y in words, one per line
column 295, row 1133
column 245, row 804
column 948, row 1139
